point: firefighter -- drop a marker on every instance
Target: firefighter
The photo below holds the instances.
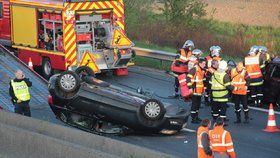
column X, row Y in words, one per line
column 196, row 54
column 179, row 65
column 195, row 81
column 240, row 79
column 215, row 52
column 220, row 140
column 265, row 56
column 203, row 141
column 220, row 87
column 19, row 92
column 254, row 65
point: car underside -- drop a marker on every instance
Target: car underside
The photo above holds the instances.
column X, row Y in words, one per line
column 80, row 100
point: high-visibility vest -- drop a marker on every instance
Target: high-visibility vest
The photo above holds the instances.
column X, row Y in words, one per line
column 182, row 68
column 21, row 90
column 184, row 56
column 200, row 151
column 198, row 79
column 210, row 59
column 238, row 80
column 221, row 141
column 252, row 65
column 218, row 87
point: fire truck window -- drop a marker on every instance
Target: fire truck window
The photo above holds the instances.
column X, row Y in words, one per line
column 1, row 9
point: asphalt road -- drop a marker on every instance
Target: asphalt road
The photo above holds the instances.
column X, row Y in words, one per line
column 249, row 139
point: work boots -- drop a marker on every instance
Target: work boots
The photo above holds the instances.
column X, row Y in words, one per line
column 246, row 117
column 238, row 117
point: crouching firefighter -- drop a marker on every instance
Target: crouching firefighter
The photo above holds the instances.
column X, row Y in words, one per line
column 220, row 87
column 240, row 80
column 180, row 64
column 195, row 81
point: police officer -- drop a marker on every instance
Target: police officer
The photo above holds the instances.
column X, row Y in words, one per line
column 241, row 80
column 254, row 65
column 203, row 141
column 220, row 140
column 19, row 92
column 180, row 64
column 220, row 87
column 195, row 81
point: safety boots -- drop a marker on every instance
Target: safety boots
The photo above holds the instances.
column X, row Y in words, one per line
column 238, row 117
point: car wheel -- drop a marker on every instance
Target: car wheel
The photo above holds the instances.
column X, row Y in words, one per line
column 63, row 117
column 47, row 70
column 153, row 109
column 68, row 82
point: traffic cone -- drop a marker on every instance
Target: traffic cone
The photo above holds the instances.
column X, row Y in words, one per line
column 271, row 123
column 30, row 64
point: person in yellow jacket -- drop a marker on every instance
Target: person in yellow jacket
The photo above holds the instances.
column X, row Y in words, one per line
column 19, row 92
column 220, row 88
column 203, row 141
column 241, row 80
column 221, row 141
column 195, row 81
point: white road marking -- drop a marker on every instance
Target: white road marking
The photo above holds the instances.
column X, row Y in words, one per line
column 188, row 130
column 257, row 109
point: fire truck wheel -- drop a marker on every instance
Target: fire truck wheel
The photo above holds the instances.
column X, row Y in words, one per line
column 47, row 70
column 68, row 82
column 153, row 109
column 84, row 71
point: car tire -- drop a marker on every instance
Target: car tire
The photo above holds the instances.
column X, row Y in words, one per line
column 152, row 110
column 68, row 82
column 47, row 70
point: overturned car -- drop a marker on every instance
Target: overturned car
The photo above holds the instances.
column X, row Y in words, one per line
column 81, row 100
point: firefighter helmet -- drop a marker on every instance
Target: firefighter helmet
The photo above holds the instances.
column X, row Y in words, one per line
column 216, row 51
column 196, row 52
column 223, row 66
column 262, row 49
column 253, row 50
column 188, row 43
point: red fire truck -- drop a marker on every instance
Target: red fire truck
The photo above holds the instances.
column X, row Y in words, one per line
column 61, row 34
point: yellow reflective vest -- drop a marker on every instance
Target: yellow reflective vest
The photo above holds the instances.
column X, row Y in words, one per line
column 21, row 90
column 219, row 88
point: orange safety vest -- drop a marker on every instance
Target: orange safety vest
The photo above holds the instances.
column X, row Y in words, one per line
column 252, row 65
column 221, row 141
column 184, row 57
column 210, row 59
column 238, row 80
column 198, row 79
column 182, row 68
column 200, row 150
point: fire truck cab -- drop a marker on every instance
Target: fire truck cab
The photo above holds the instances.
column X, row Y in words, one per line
column 61, row 34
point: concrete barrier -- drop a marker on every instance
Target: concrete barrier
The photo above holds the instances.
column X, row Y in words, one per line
column 34, row 137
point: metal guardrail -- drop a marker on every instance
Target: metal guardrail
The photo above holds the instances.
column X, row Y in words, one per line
column 155, row 54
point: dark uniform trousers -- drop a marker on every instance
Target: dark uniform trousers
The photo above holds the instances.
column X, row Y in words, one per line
column 219, row 109
column 240, row 99
column 196, row 101
column 22, row 108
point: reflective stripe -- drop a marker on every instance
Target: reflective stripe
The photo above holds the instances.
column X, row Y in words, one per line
column 221, row 144
column 251, row 60
column 190, row 75
column 246, row 110
column 181, row 81
column 193, row 112
column 239, row 83
column 238, row 110
column 260, row 95
column 256, row 83
column 220, row 99
column 230, row 150
column 254, row 73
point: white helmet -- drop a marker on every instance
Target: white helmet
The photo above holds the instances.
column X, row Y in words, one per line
column 262, row 49
column 216, row 51
column 253, row 50
column 196, row 52
column 212, row 48
column 223, row 66
column 188, row 43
